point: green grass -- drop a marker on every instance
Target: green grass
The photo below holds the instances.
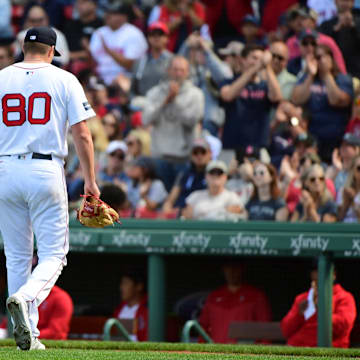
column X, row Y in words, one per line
column 160, row 351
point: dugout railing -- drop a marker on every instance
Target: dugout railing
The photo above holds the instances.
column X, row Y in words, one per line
column 161, row 238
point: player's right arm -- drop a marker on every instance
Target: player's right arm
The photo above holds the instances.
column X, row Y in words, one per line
column 85, row 151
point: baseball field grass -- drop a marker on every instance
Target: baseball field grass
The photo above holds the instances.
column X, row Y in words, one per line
column 89, row 350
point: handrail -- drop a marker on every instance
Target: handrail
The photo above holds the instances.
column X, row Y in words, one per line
column 185, row 334
column 115, row 322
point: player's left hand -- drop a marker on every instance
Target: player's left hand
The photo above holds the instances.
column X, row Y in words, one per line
column 92, row 189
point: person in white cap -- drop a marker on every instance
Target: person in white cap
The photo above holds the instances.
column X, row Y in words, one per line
column 114, row 172
column 216, row 202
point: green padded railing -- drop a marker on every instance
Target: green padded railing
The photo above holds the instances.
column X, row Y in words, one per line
column 185, row 334
column 109, row 325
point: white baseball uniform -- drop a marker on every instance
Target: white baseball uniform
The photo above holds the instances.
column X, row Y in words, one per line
column 38, row 102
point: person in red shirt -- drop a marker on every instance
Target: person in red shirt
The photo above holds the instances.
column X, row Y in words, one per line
column 235, row 301
column 299, row 326
column 134, row 303
column 55, row 314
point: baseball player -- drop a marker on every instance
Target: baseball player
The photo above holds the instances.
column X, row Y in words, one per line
column 38, row 102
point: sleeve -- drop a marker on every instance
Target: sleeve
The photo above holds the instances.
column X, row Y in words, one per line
column 59, row 324
column 95, row 43
column 344, row 315
column 192, row 199
column 136, row 46
column 302, row 79
column 153, row 105
column 78, row 107
column 330, row 208
column 293, row 321
column 219, row 70
column 279, row 203
column 345, row 83
column 157, row 192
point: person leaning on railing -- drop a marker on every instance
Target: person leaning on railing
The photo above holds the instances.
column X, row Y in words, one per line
column 316, row 203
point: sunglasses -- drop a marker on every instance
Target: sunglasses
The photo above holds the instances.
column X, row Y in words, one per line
column 278, row 57
column 313, row 179
column 120, row 156
column 216, row 172
column 308, row 43
column 199, row 152
column 130, row 143
column 156, row 33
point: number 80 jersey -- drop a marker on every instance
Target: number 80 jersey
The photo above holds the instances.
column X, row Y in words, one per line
column 38, row 101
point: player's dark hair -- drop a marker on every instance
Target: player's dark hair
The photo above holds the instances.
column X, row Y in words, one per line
column 36, row 48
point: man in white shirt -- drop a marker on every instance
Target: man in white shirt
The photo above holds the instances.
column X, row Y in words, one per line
column 116, row 46
column 216, row 202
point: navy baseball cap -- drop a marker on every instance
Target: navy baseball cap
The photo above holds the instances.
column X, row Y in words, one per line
column 252, row 19
column 42, row 34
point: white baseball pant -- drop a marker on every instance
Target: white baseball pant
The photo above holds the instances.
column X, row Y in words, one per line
column 33, row 199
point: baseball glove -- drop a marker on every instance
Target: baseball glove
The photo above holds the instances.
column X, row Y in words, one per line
column 95, row 213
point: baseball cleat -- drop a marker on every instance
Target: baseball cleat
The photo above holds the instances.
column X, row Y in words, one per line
column 36, row 344
column 22, row 332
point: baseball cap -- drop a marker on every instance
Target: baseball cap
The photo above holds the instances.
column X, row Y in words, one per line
column 200, row 143
column 251, row 19
column 119, row 8
column 42, row 34
column 116, row 145
column 216, row 164
column 232, row 48
column 294, row 13
column 159, row 25
column 351, row 139
column 308, row 33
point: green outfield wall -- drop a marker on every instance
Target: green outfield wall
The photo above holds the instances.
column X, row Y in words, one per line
column 159, row 239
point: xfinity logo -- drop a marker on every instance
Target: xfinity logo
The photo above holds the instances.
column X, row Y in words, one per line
column 302, row 242
column 248, row 241
column 197, row 240
column 125, row 239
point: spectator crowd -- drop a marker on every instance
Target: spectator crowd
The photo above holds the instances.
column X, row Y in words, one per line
column 221, row 110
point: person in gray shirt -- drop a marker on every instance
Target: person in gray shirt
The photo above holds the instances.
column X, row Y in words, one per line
column 173, row 108
column 151, row 68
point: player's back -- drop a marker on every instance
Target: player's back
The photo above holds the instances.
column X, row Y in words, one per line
column 34, row 108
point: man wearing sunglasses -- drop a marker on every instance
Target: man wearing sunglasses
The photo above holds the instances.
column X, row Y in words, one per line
column 280, row 56
column 114, row 170
column 215, row 202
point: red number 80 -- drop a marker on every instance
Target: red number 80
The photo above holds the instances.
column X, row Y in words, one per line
column 21, row 109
